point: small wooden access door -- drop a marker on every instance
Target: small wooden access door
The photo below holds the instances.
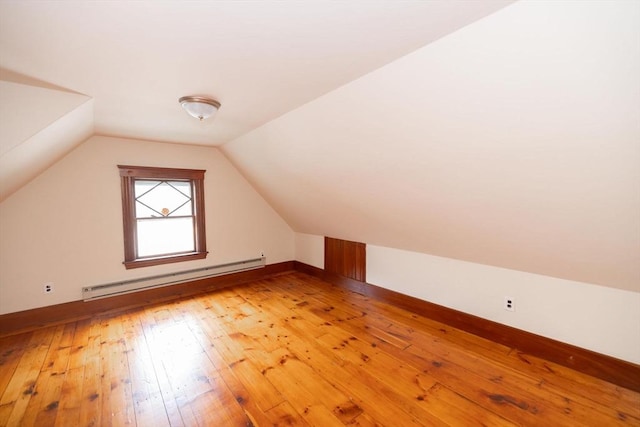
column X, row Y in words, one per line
column 348, row 259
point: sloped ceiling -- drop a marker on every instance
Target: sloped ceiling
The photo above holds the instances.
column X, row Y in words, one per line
column 131, row 61
column 514, row 142
column 39, row 124
column 260, row 59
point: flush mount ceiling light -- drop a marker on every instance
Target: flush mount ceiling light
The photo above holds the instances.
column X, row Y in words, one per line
column 199, row 107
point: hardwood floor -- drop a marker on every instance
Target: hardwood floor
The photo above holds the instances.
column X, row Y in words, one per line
column 287, row 351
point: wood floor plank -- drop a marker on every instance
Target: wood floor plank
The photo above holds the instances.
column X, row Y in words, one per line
column 338, row 319
column 43, row 405
column 13, row 347
column 265, row 395
column 486, row 371
column 205, row 395
column 571, row 389
column 19, row 390
column 434, row 340
column 91, row 401
column 156, row 345
column 71, row 392
column 303, row 352
column 290, row 350
column 567, row 384
column 364, row 420
column 390, row 371
column 453, row 409
column 177, row 350
column 245, row 399
column 147, row 397
column 401, row 405
column 215, row 406
column 305, row 390
column 565, row 381
column 286, row 416
column 117, row 402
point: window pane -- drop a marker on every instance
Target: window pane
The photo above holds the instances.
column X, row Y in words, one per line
column 165, row 236
column 183, row 211
column 162, row 198
column 142, row 186
column 182, row 186
column 144, row 212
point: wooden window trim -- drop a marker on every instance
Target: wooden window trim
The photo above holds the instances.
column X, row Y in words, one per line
column 128, row 175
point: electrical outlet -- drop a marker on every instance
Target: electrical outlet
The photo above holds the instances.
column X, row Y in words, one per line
column 47, row 288
column 509, row 304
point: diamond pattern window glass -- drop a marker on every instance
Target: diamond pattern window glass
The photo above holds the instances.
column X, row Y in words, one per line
column 163, row 215
column 163, row 198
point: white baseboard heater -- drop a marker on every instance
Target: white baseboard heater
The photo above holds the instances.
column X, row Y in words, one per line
column 124, row 287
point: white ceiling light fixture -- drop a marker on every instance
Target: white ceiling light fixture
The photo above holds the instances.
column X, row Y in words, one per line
column 199, row 107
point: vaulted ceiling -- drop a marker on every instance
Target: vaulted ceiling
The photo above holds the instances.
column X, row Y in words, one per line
column 133, row 60
column 489, row 131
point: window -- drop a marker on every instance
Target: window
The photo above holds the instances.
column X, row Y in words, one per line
column 163, row 215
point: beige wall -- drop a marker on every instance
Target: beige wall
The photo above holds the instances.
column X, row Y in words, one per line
column 65, row 226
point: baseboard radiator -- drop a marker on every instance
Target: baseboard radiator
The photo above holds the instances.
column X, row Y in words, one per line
column 124, row 287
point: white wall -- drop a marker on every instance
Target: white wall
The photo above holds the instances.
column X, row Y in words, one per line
column 65, row 226
column 310, row 249
column 594, row 317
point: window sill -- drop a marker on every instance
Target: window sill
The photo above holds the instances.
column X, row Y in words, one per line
column 148, row 262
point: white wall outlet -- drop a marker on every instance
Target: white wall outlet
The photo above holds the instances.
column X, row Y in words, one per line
column 47, row 288
column 509, row 304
